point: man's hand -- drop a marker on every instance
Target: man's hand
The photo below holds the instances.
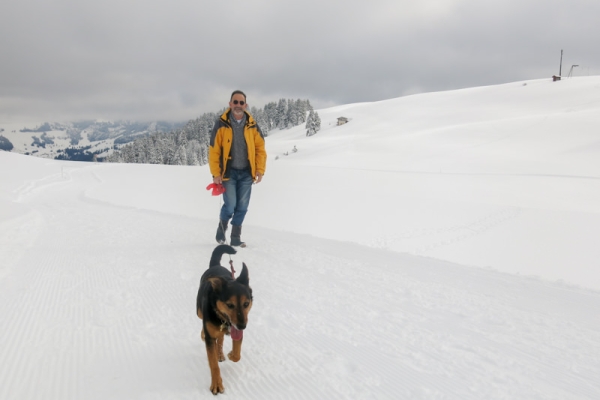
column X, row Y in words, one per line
column 218, row 180
column 258, row 178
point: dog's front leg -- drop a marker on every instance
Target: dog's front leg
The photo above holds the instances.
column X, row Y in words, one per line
column 220, row 349
column 236, row 351
column 216, row 383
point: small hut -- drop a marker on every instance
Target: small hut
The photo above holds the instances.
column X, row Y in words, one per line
column 342, row 120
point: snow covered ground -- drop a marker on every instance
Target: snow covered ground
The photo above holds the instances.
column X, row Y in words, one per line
column 437, row 246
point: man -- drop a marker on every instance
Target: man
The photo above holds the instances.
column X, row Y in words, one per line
column 237, row 159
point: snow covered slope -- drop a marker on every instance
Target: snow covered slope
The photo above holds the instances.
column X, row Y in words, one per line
column 436, row 246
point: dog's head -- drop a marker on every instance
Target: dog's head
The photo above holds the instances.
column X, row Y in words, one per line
column 234, row 298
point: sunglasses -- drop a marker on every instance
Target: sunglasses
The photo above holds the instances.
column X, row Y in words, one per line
column 241, row 102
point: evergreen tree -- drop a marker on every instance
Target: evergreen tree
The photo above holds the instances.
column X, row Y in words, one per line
column 153, row 153
column 310, row 125
column 290, row 115
column 300, row 112
column 192, row 152
column 281, row 114
column 260, row 116
column 180, row 157
column 203, row 158
column 271, row 115
column 313, row 123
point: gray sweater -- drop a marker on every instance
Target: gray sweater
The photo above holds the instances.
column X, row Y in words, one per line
column 239, row 148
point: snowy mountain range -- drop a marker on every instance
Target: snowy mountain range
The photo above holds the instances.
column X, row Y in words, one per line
column 76, row 141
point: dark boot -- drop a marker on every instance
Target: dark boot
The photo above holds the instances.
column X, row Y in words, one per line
column 236, row 233
column 221, row 229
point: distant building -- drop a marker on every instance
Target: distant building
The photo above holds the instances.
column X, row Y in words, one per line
column 342, row 120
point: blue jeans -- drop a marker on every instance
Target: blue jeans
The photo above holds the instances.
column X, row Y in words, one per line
column 237, row 196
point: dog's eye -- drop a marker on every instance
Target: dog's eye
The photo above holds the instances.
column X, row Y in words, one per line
column 247, row 304
column 230, row 306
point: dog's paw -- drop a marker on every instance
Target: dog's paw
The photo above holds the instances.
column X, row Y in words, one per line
column 221, row 356
column 217, row 387
column 234, row 357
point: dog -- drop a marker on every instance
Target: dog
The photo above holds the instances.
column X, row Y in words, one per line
column 223, row 304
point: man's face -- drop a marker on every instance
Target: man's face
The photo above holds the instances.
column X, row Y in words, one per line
column 238, row 105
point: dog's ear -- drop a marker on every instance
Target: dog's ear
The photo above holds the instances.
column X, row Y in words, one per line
column 217, row 283
column 244, row 278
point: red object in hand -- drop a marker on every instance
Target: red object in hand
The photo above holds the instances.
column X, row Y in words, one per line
column 217, row 189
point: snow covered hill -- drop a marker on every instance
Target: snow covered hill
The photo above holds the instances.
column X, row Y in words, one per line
column 441, row 245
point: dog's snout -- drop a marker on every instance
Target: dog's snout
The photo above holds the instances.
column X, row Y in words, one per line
column 240, row 327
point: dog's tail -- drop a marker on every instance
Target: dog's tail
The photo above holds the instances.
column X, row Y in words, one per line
column 218, row 252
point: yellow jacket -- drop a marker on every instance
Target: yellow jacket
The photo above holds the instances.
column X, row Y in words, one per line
column 220, row 146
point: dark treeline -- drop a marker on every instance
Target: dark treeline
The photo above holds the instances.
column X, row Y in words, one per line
column 189, row 145
column 5, row 144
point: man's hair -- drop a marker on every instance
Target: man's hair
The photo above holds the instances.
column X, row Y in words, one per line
column 237, row 92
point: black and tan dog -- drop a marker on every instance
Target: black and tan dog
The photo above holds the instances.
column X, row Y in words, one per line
column 223, row 304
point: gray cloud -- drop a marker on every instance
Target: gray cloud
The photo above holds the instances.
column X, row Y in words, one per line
column 146, row 60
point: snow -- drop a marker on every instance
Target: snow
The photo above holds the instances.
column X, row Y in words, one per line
column 437, row 246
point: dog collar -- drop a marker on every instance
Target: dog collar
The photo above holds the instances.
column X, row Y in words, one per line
column 224, row 326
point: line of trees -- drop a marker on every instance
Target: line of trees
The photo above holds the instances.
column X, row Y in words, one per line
column 189, row 145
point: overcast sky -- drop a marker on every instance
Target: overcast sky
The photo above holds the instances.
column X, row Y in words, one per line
column 67, row 60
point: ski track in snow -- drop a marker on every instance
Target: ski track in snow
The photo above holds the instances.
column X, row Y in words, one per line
column 330, row 319
column 450, row 235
